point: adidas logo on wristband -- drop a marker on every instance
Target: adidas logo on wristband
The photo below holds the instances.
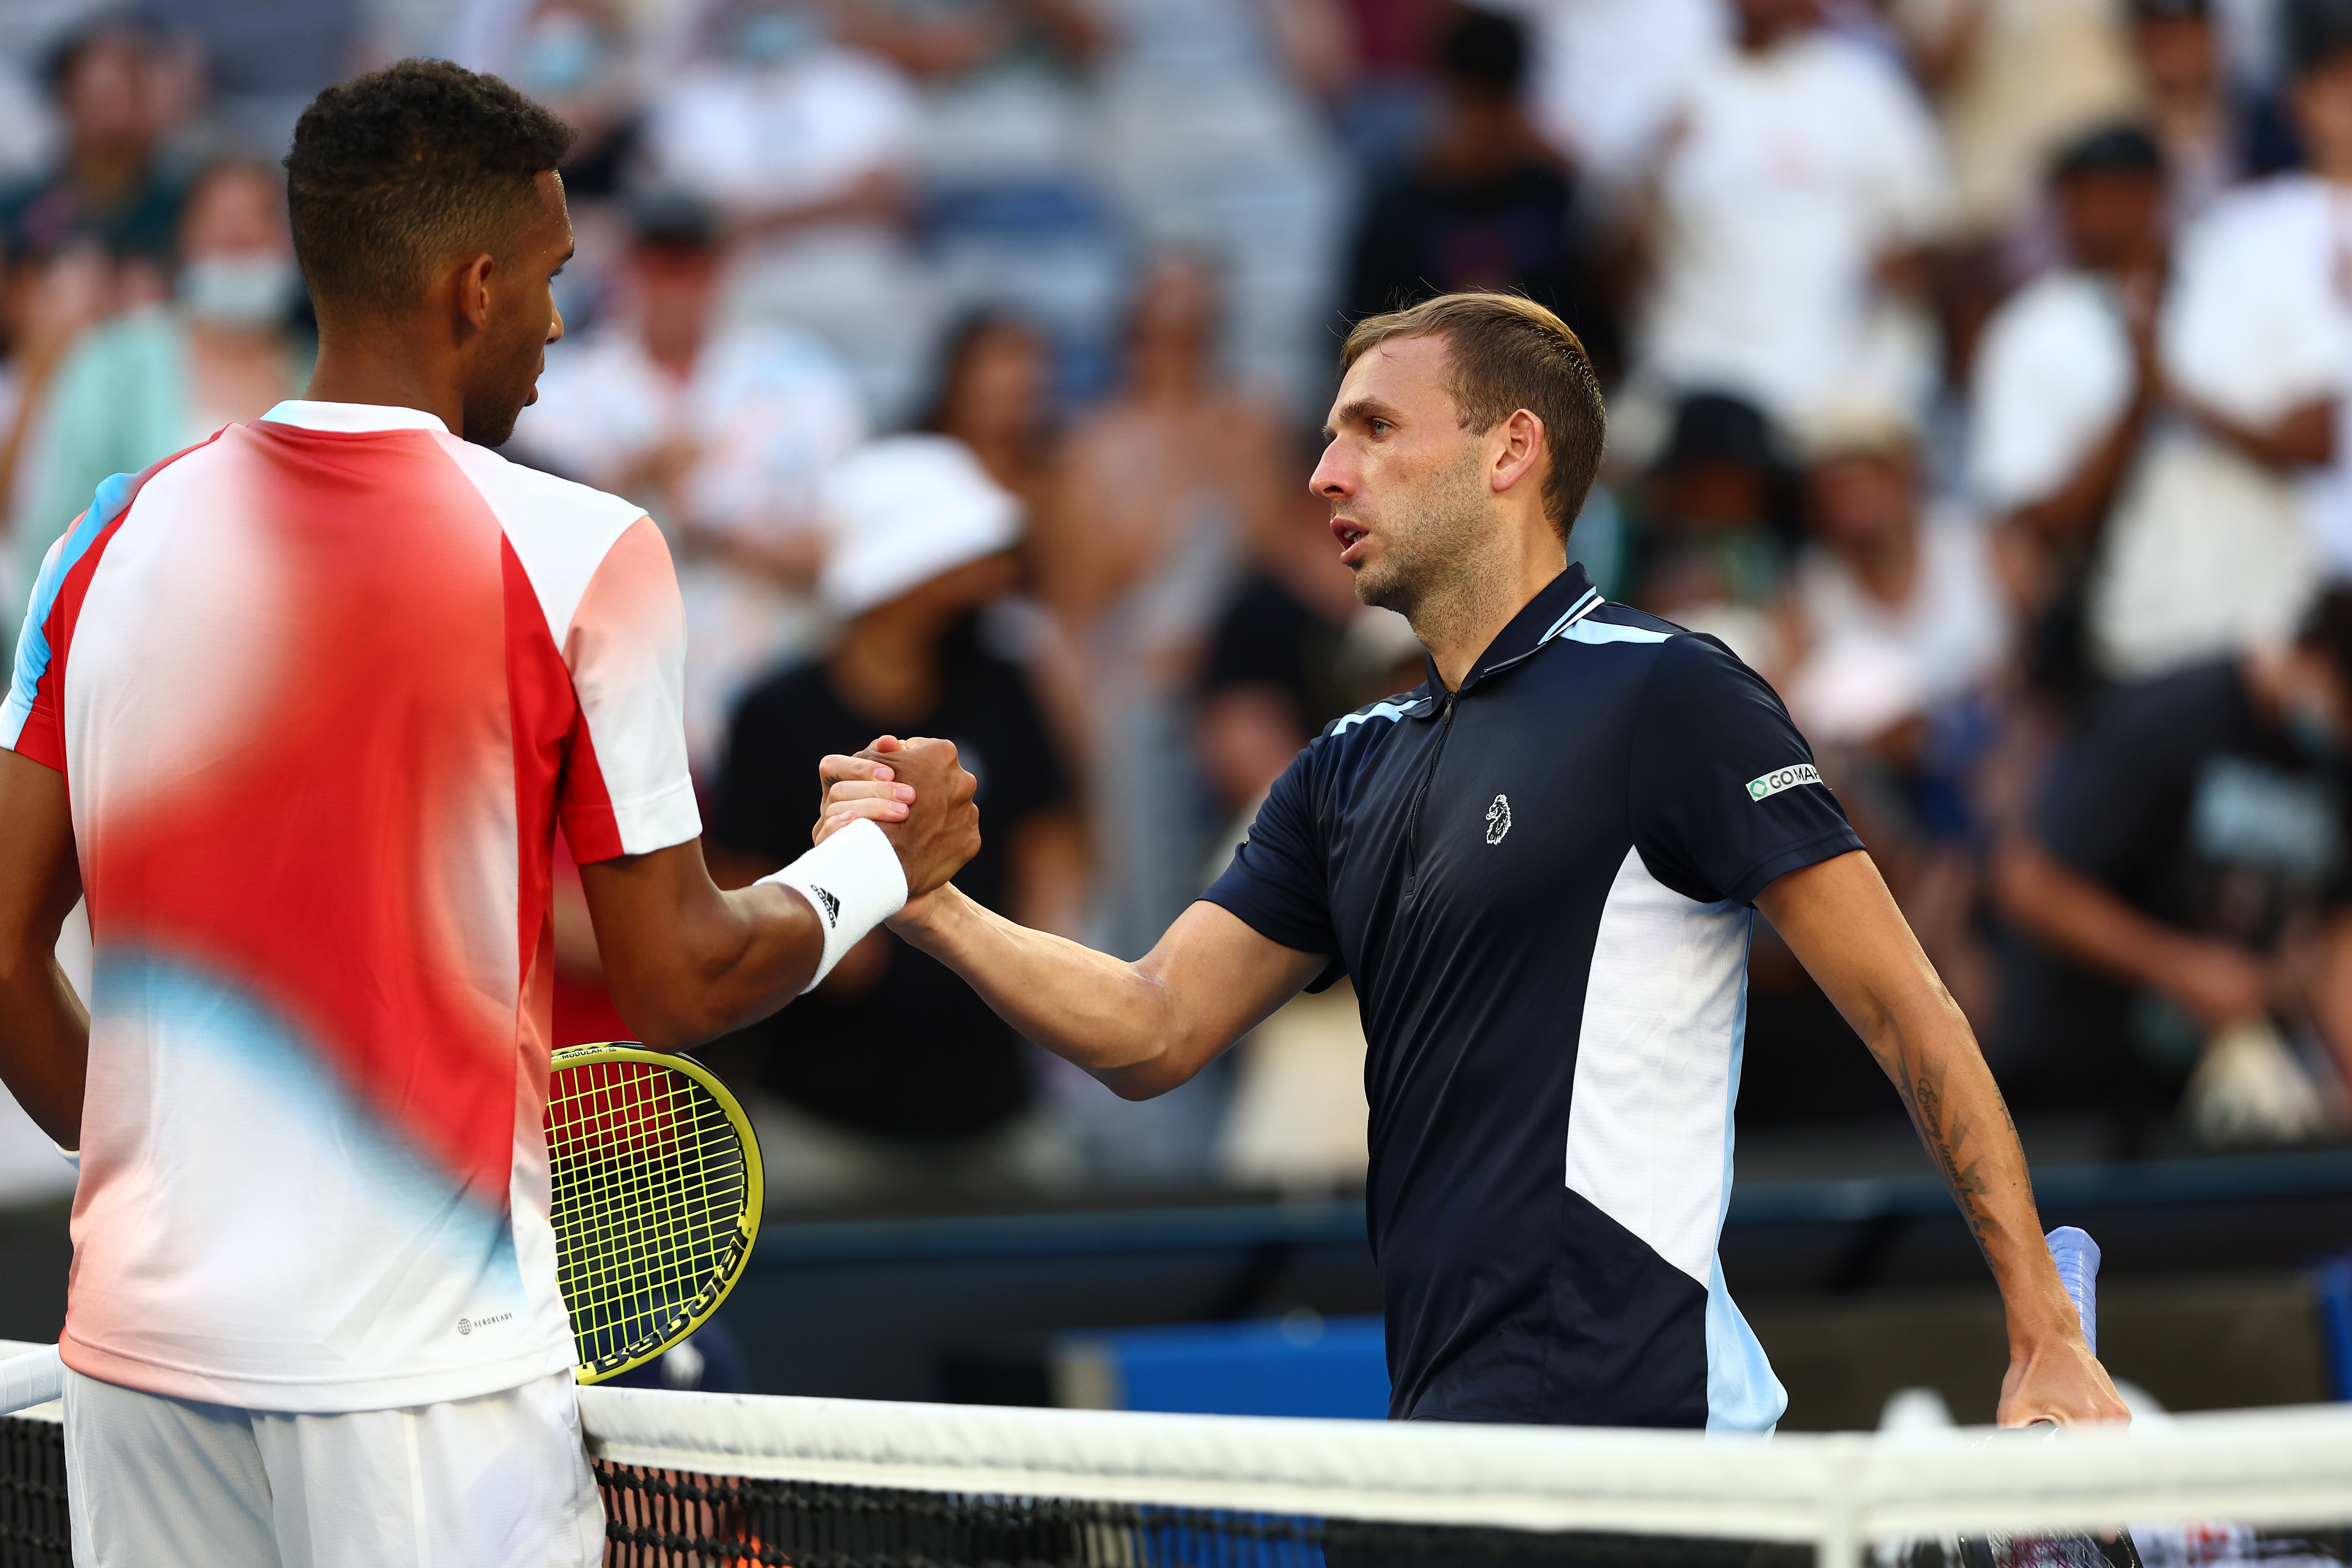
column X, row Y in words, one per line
column 832, row 905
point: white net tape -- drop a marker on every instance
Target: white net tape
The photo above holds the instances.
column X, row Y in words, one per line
column 1840, row 1492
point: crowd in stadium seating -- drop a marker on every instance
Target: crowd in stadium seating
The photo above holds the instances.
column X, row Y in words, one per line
column 1980, row 372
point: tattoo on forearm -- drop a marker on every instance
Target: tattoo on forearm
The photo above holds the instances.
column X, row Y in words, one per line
column 1945, row 1133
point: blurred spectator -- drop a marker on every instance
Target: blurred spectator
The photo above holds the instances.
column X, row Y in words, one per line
column 1611, row 77
column 2190, row 103
column 995, row 387
column 1277, row 667
column 2260, row 337
column 44, row 307
column 1790, row 212
column 1894, row 627
column 2065, row 389
column 576, row 57
column 1160, row 493
column 2013, row 82
column 265, row 60
column 1388, row 103
column 723, row 434
column 109, row 78
column 1882, row 571
column 1011, row 215
column 804, row 147
column 2187, row 870
column 1708, row 554
column 139, row 388
column 1487, row 206
column 893, row 1080
column 1211, row 141
column 2255, row 351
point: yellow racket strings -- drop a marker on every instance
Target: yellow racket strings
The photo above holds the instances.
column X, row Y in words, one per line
column 650, row 1188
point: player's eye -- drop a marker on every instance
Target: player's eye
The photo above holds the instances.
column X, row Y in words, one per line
column 1381, row 427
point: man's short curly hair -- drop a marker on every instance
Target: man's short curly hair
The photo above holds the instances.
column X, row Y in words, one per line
column 400, row 169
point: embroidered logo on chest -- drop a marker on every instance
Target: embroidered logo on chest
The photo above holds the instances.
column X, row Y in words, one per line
column 1499, row 819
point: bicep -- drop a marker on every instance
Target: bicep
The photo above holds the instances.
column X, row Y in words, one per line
column 1843, row 924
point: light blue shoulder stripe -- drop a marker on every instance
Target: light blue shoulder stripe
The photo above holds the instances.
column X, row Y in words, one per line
column 1589, row 631
column 33, row 652
column 1388, row 710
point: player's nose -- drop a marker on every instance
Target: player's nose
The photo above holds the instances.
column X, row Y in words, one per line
column 1334, row 477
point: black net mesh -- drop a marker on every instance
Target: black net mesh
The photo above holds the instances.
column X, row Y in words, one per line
column 677, row 1519
column 33, row 1531
column 674, row 1518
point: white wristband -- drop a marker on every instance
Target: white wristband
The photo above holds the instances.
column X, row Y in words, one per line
column 853, row 882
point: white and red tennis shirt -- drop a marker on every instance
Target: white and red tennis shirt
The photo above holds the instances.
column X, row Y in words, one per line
column 322, row 688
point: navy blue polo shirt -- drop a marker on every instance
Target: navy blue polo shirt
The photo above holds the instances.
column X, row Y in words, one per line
column 1542, row 887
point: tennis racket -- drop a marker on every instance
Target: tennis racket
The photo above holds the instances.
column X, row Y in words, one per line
column 2077, row 1257
column 656, row 1199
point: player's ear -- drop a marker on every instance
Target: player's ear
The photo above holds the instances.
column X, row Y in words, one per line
column 474, row 281
column 1518, row 445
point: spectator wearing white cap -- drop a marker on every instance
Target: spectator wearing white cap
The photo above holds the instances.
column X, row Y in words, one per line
column 892, row 1082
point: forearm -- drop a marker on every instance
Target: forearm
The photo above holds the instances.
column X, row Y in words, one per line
column 44, row 1044
column 1105, row 1014
column 2306, row 437
column 2076, row 509
column 2084, row 920
column 687, row 962
column 1929, row 1051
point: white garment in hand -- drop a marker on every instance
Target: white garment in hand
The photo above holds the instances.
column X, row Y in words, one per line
column 2248, row 1088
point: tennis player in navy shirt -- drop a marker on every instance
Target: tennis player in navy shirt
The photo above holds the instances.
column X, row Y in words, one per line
column 1540, row 867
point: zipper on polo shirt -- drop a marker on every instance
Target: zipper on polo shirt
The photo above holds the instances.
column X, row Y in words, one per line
column 1413, row 819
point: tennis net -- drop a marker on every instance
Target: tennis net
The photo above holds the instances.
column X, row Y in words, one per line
column 695, row 1481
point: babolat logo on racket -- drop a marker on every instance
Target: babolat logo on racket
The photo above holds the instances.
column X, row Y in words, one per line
column 1773, row 782
column 832, row 905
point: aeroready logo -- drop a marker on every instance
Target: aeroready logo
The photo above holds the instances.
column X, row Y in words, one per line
column 467, row 1325
column 1773, row 782
column 1499, row 819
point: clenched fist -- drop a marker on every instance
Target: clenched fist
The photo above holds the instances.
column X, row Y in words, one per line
column 919, row 795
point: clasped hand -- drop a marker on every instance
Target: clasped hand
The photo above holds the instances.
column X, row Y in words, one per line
column 919, row 795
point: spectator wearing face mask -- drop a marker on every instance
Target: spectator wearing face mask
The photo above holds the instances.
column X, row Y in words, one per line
column 148, row 384
column 574, row 56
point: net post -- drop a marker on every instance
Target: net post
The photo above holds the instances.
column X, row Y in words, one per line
column 1839, row 1544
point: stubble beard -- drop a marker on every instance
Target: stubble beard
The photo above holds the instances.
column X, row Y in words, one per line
column 1433, row 565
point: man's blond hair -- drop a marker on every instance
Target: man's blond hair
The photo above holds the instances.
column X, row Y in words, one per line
column 1505, row 352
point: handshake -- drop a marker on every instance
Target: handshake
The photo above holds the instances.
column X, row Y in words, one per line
column 918, row 794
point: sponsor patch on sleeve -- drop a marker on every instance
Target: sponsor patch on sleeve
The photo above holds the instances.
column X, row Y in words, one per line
column 1779, row 779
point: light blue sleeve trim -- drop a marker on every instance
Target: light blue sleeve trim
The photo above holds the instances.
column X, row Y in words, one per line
column 33, row 651
column 1389, row 711
column 1589, row 631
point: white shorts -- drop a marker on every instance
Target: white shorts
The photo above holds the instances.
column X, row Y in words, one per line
column 500, row 1481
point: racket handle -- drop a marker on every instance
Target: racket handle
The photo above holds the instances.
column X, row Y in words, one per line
column 34, row 1378
column 2077, row 1257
